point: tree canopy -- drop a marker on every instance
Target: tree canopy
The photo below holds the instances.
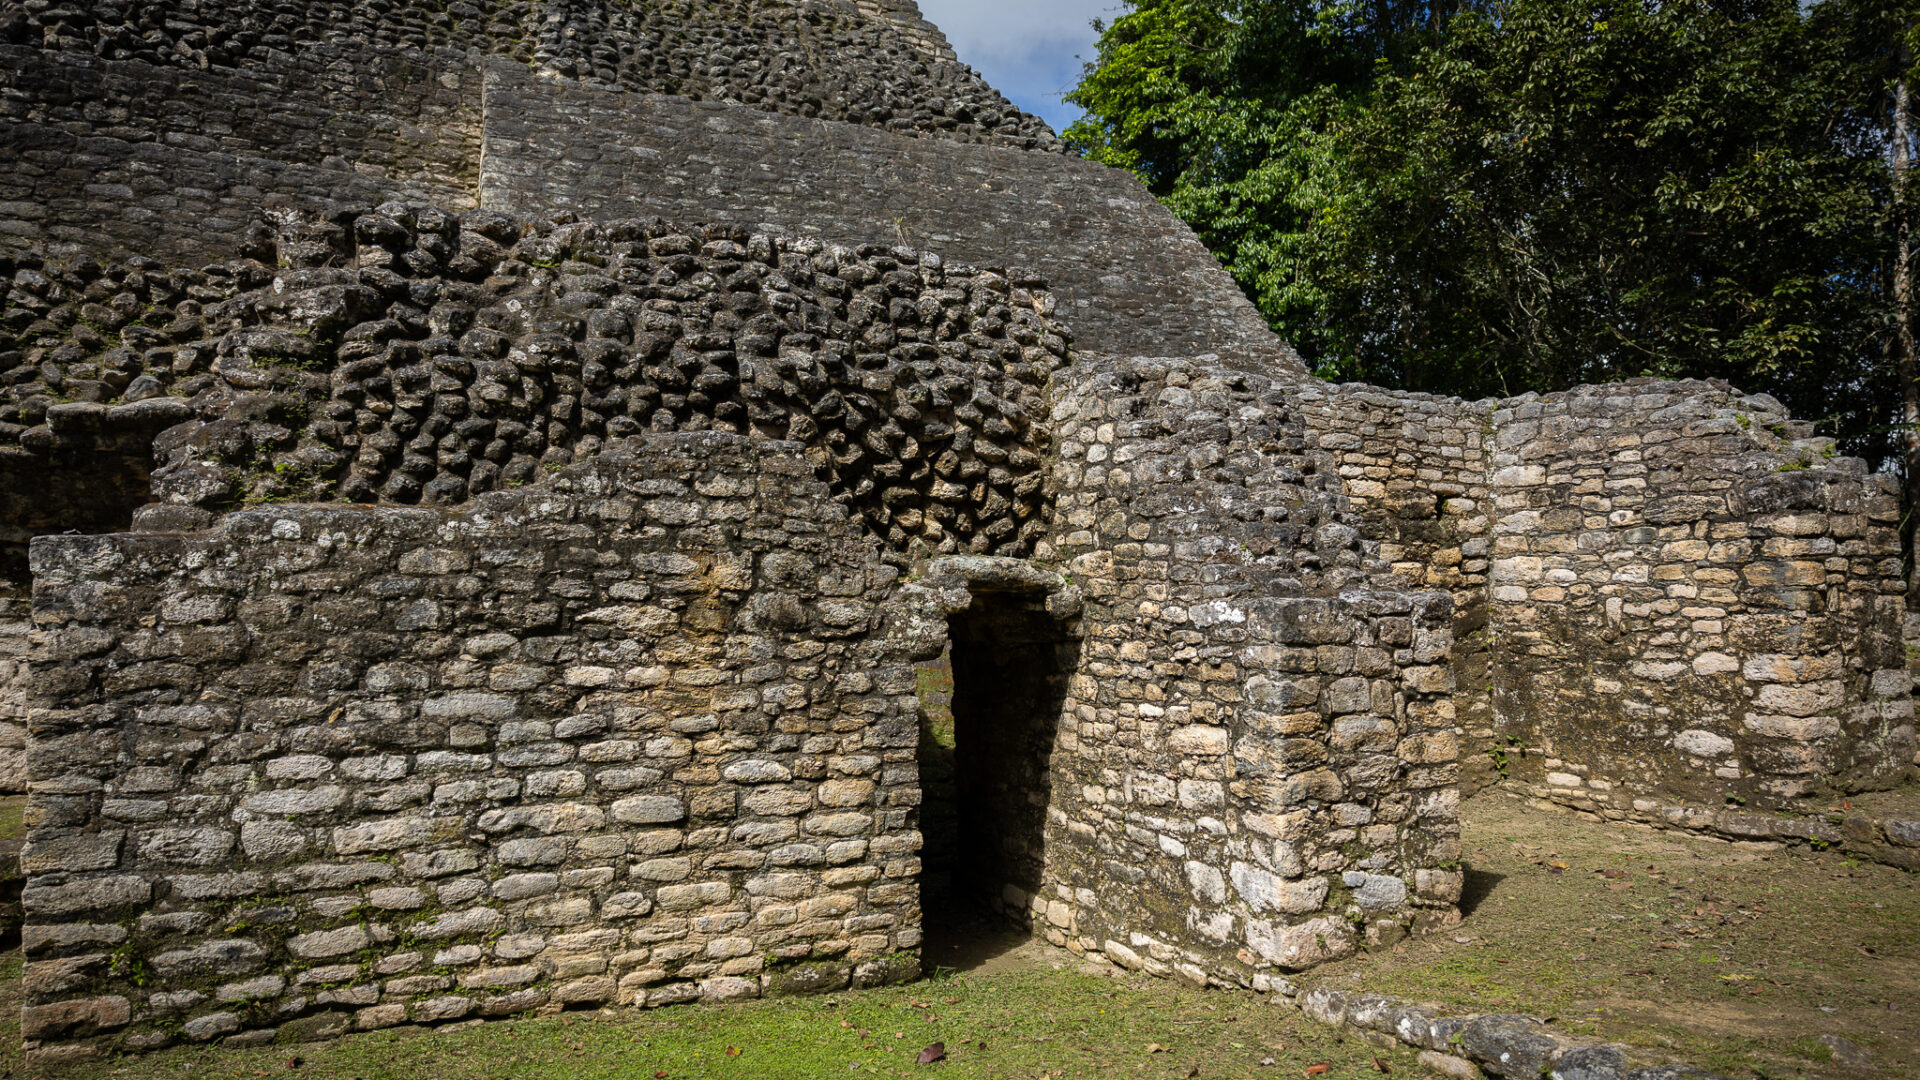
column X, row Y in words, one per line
column 1487, row 198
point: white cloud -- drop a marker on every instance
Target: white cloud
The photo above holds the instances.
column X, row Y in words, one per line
column 1030, row 50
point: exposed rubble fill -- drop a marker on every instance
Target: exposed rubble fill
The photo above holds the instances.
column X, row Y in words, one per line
column 415, row 357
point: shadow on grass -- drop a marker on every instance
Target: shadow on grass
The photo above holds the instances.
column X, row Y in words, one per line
column 961, row 938
column 1479, row 885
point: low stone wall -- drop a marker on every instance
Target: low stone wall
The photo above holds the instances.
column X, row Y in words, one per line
column 1686, row 596
column 1889, row 838
column 637, row 735
column 1506, row 1045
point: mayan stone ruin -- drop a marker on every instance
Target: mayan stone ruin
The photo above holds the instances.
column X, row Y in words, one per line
column 480, row 483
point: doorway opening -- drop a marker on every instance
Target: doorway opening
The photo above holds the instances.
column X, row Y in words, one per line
column 990, row 715
column 80, row 472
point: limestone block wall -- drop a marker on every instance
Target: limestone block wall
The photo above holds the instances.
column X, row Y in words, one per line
column 105, row 197
column 1697, row 599
column 876, row 63
column 639, row 734
column 393, row 114
column 1415, row 469
column 1130, row 277
column 1668, row 590
column 1259, row 743
column 115, row 152
column 174, row 136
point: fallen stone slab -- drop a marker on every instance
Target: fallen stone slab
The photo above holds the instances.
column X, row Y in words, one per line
column 1506, row 1045
column 1891, row 841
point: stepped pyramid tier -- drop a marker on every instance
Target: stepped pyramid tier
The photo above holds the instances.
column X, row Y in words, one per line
column 485, row 488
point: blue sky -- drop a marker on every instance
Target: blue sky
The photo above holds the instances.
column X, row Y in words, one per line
column 1030, row 50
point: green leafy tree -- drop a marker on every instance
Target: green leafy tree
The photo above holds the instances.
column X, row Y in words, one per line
column 1576, row 193
column 1486, row 200
column 1223, row 108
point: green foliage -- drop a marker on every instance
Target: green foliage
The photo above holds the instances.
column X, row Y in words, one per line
column 1228, row 111
column 1488, row 199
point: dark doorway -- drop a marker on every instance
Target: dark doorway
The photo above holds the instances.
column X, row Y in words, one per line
column 91, row 483
column 1477, row 887
column 990, row 714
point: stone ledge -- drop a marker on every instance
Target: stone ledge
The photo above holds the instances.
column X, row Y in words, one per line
column 1506, row 1045
column 1893, row 841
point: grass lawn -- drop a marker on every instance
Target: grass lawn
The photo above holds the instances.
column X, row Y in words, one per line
column 1736, row 958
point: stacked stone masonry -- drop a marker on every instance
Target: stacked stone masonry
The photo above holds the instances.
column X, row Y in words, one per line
column 15, row 633
column 1128, row 274
column 1668, row 591
column 124, row 155
column 873, row 63
column 160, row 129
column 1260, row 742
column 115, row 156
column 512, row 600
column 626, row 734
column 636, row 735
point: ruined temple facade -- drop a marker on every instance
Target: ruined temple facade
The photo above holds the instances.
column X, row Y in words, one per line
column 481, row 483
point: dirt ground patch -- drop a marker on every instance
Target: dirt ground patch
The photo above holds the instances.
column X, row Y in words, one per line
column 1736, row 957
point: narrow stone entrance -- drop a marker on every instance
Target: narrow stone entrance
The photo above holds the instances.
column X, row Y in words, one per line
column 986, row 779
column 86, row 469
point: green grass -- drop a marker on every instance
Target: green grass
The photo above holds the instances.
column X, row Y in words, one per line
column 13, row 821
column 1730, row 957
column 1812, row 1049
column 933, row 684
column 1029, row 1023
